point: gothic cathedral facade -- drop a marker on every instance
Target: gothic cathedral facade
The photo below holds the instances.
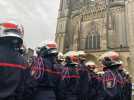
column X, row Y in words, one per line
column 96, row 26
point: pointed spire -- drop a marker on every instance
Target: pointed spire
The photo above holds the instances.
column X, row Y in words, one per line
column 61, row 5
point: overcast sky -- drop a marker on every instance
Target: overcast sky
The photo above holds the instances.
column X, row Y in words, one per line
column 38, row 17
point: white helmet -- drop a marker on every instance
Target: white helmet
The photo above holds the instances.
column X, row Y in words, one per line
column 40, row 45
column 90, row 63
column 11, row 31
column 110, row 59
column 49, row 48
column 48, row 44
column 61, row 56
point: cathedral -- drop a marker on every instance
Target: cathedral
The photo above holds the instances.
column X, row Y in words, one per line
column 97, row 26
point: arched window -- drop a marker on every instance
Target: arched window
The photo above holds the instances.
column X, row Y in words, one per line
column 93, row 41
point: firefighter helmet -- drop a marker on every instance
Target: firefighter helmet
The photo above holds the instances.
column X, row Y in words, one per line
column 37, row 49
column 74, row 60
column 49, row 48
column 110, row 59
column 91, row 65
column 61, row 56
column 12, row 32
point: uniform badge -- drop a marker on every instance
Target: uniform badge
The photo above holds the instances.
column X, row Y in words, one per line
column 109, row 84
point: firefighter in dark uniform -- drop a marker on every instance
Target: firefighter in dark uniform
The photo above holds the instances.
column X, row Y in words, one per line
column 12, row 64
column 92, row 80
column 47, row 73
column 127, row 82
column 30, row 84
column 70, row 78
column 112, row 82
column 83, row 81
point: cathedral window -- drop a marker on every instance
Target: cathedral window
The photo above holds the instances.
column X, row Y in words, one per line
column 93, row 41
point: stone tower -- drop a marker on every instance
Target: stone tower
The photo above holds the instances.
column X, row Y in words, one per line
column 62, row 24
column 64, row 36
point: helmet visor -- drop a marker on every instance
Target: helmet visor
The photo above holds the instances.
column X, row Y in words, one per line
column 13, row 31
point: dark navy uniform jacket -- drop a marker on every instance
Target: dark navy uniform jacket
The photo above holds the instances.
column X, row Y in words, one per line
column 127, row 86
column 48, row 83
column 83, row 82
column 111, row 86
column 12, row 66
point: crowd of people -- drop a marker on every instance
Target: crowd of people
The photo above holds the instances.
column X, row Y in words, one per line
column 54, row 76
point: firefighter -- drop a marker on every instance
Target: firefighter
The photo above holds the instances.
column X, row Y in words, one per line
column 12, row 64
column 127, row 89
column 70, row 78
column 30, row 81
column 112, row 82
column 83, row 81
column 47, row 73
column 92, row 80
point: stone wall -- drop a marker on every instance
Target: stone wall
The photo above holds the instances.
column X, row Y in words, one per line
column 130, row 29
